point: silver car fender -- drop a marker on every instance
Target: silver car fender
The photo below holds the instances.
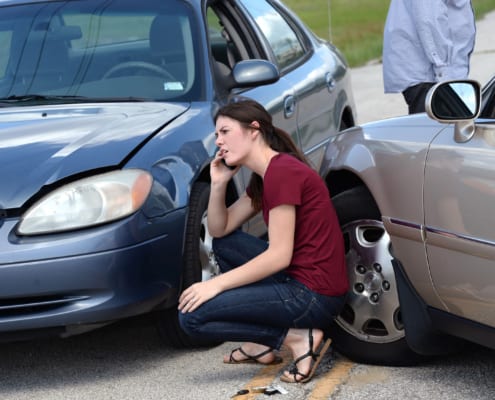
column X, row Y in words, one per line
column 369, row 155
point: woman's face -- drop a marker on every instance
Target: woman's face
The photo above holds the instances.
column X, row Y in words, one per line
column 232, row 139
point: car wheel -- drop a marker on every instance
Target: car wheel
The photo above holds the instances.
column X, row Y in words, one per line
column 199, row 264
column 370, row 328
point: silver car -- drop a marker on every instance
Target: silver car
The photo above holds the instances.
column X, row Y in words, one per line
column 415, row 197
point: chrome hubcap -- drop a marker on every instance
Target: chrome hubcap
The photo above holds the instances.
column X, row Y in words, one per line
column 372, row 311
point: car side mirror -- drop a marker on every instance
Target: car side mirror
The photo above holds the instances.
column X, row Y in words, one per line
column 454, row 101
column 249, row 73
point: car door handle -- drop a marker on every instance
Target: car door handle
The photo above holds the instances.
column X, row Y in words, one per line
column 289, row 106
column 331, row 82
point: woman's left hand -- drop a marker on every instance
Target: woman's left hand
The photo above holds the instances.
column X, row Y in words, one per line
column 197, row 294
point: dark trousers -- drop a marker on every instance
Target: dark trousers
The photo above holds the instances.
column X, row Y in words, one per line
column 415, row 96
column 261, row 312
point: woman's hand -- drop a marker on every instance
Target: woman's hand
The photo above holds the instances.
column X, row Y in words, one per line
column 197, row 294
column 219, row 171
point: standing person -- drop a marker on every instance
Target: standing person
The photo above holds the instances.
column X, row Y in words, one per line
column 284, row 291
column 425, row 42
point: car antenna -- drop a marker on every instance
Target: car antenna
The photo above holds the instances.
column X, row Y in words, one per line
column 329, row 21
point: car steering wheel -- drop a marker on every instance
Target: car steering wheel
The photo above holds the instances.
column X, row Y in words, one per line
column 138, row 65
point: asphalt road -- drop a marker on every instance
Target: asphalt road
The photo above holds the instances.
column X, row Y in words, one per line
column 128, row 361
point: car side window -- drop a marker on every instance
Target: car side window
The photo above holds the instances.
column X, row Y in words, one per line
column 285, row 43
column 222, row 47
column 488, row 101
column 5, row 44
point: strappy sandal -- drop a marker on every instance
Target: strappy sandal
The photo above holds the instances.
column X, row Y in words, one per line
column 252, row 359
column 299, row 377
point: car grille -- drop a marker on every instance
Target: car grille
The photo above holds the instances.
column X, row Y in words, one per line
column 16, row 307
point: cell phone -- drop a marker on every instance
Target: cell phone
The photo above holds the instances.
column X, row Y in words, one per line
column 228, row 166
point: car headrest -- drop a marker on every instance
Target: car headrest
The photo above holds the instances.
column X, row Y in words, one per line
column 166, row 35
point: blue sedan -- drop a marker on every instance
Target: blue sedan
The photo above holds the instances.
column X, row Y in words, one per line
column 106, row 138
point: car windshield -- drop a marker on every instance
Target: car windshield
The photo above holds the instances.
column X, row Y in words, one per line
column 96, row 50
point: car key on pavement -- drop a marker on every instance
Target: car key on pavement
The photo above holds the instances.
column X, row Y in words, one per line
column 240, row 393
column 268, row 390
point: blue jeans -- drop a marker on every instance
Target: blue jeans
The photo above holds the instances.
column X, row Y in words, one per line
column 261, row 312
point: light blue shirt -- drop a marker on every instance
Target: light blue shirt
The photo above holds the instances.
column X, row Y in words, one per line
column 427, row 41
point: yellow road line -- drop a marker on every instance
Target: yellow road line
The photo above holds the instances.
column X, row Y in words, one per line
column 325, row 385
column 328, row 383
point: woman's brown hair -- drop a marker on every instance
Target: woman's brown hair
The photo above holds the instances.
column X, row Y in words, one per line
column 245, row 112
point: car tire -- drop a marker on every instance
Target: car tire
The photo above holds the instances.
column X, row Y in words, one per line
column 199, row 265
column 369, row 329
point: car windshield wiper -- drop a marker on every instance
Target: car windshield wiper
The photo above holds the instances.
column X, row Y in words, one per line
column 37, row 97
column 50, row 99
column 117, row 99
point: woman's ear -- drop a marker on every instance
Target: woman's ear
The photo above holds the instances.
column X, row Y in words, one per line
column 255, row 125
column 255, row 128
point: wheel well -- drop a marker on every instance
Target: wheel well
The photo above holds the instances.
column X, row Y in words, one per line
column 348, row 118
column 340, row 181
column 204, row 176
column 232, row 194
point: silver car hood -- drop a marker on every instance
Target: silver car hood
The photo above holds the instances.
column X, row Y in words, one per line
column 41, row 145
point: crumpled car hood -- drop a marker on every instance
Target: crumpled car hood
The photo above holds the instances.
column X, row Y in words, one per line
column 41, row 145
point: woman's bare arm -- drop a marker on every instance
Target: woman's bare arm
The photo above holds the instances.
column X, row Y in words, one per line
column 276, row 258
